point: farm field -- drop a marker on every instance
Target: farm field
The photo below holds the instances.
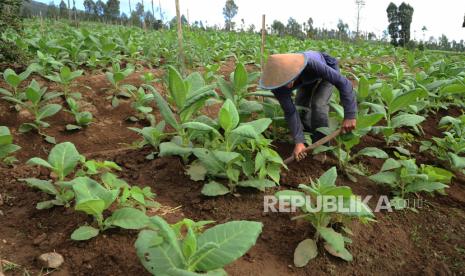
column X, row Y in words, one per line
column 194, row 139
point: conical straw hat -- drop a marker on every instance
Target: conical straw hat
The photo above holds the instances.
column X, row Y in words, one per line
column 280, row 69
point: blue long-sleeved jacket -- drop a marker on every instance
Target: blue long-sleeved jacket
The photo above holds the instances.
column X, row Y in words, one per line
column 320, row 66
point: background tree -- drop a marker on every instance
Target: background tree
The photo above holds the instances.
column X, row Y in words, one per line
column 100, row 9
column 463, row 25
column 405, row 14
column 112, row 10
column 52, row 11
column 444, row 42
column 137, row 15
column 63, row 9
column 293, row 28
column 278, row 28
column 342, row 29
column 393, row 27
column 174, row 21
column 229, row 11
column 310, row 29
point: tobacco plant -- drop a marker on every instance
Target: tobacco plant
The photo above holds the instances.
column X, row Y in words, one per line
column 82, row 118
column 391, row 103
column 14, row 81
column 323, row 217
column 187, row 97
column 236, row 90
column 151, row 136
column 344, row 143
column 62, row 161
column 37, row 105
column 93, row 199
column 403, row 176
column 185, row 249
column 7, row 148
column 65, row 79
column 115, row 77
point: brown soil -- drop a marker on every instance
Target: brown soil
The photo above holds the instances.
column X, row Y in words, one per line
column 430, row 242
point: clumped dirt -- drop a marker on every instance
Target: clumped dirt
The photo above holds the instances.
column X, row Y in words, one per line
column 430, row 242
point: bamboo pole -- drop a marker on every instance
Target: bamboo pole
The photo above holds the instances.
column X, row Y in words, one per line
column 262, row 49
column 180, row 43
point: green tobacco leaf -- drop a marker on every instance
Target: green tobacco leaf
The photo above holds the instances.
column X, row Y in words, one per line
column 425, row 186
column 363, row 88
column 86, row 188
column 369, row 120
column 234, row 239
column 177, row 87
column 389, row 178
column 63, row 158
column 343, row 254
column 226, row 88
column 437, row 174
column 458, row 88
column 158, row 258
column 304, row 252
column 458, row 162
column 200, row 126
column 373, row 152
column 48, row 110
column 43, row 185
column 409, row 120
column 39, row 162
column 170, row 148
column 328, row 179
column 259, row 184
column 240, row 77
column 214, row 188
column 196, row 171
column 93, row 207
column 195, row 81
column 84, row 233
column 228, row 116
column 246, row 131
column 333, row 238
column 128, row 218
column 208, row 159
column 6, row 150
column 390, row 164
column 165, row 110
column 259, row 125
column 5, row 136
column 11, row 78
column 406, row 99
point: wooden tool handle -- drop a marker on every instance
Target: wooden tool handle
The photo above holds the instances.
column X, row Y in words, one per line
column 318, row 143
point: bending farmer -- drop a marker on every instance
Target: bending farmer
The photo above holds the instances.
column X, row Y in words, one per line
column 313, row 74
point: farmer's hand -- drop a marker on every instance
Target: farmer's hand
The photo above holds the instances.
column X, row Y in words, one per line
column 348, row 125
column 299, row 151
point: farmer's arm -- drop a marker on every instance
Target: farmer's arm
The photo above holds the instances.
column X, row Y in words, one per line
column 342, row 84
column 283, row 95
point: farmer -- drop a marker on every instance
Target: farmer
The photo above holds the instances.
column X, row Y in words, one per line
column 313, row 74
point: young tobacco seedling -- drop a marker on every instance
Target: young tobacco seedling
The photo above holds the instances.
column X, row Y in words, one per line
column 62, row 161
column 65, row 79
column 7, row 147
column 45, row 64
column 391, row 102
column 115, row 77
column 236, row 90
column 82, row 118
column 187, row 96
column 14, row 81
column 322, row 216
column 37, row 105
column 404, row 176
column 182, row 248
column 152, row 136
column 93, row 199
column 141, row 103
column 345, row 142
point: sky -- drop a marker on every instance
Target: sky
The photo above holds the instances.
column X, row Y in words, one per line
column 439, row 17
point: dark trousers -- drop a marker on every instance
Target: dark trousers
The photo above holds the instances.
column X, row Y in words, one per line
column 314, row 102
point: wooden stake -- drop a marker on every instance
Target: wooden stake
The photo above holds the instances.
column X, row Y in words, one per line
column 188, row 21
column 262, row 49
column 180, row 45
